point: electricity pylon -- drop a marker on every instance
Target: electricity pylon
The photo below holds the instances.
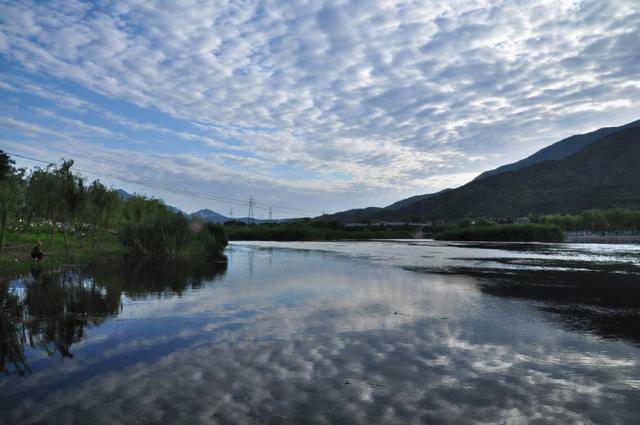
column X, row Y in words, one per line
column 252, row 203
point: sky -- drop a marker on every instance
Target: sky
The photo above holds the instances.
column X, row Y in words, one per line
column 308, row 106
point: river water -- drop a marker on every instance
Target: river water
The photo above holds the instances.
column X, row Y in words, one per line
column 393, row 332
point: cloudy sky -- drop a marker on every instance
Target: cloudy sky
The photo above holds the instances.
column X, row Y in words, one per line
column 309, row 106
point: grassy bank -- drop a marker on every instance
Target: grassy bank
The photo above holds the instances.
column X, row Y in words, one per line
column 308, row 232
column 503, row 233
column 80, row 222
column 16, row 256
column 15, row 259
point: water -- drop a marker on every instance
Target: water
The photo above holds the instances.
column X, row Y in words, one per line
column 331, row 332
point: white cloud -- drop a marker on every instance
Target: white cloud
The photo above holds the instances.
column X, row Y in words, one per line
column 395, row 94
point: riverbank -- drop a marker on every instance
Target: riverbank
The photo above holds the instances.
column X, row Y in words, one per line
column 15, row 259
column 16, row 254
column 607, row 237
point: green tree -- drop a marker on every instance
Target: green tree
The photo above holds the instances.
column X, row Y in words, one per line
column 68, row 198
column 41, row 197
column 139, row 208
column 101, row 204
column 11, row 194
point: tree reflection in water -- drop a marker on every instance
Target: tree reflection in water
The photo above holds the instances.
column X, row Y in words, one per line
column 52, row 311
column 12, row 333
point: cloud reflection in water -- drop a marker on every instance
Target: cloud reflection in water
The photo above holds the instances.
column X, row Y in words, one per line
column 318, row 338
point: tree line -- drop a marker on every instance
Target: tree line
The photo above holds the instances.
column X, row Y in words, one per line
column 55, row 199
column 309, row 230
column 502, row 233
column 598, row 220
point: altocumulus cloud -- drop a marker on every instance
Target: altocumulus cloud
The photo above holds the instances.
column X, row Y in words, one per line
column 316, row 105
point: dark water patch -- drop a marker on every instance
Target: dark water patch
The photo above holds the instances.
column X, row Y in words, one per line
column 606, row 304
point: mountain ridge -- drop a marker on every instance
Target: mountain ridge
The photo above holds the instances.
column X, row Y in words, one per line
column 585, row 180
column 559, row 150
column 571, row 184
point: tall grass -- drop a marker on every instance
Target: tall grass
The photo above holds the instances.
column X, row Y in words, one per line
column 168, row 234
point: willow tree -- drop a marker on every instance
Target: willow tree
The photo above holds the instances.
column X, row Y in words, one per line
column 41, row 198
column 70, row 196
column 11, row 193
column 56, row 195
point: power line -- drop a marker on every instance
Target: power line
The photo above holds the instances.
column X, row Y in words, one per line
column 208, row 196
column 212, row 196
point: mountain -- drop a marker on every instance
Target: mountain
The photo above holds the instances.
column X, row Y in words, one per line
column 209, row 215
column 603, row 174
column 123, row 194
column 214, row 217
column 356, row 215
column 378, row 213
column 559, row 150
column 406, row 202
column 175, row 209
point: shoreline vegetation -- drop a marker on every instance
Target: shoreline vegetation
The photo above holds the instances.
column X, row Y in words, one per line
column 547, row 228
column 73, row 222
column 87, row 223
column 503, row 233
column 463, row 231
column 307, row 230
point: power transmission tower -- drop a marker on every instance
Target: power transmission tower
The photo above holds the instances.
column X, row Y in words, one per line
column 252, row 203
column 270, row 215
column 231, row 213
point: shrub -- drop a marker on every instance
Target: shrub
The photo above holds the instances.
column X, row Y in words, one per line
column 211, row 239
column 162, row 234
column 504, row 233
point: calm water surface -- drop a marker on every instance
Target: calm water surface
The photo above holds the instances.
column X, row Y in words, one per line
column 394, row 332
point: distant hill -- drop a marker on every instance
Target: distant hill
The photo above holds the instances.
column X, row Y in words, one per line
column 209, row 215
column 364, row 214
column 559, row 150
column 406, row 202
column 123, row 194
column 603, row 174
column 355, row 215
column 215, row 217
